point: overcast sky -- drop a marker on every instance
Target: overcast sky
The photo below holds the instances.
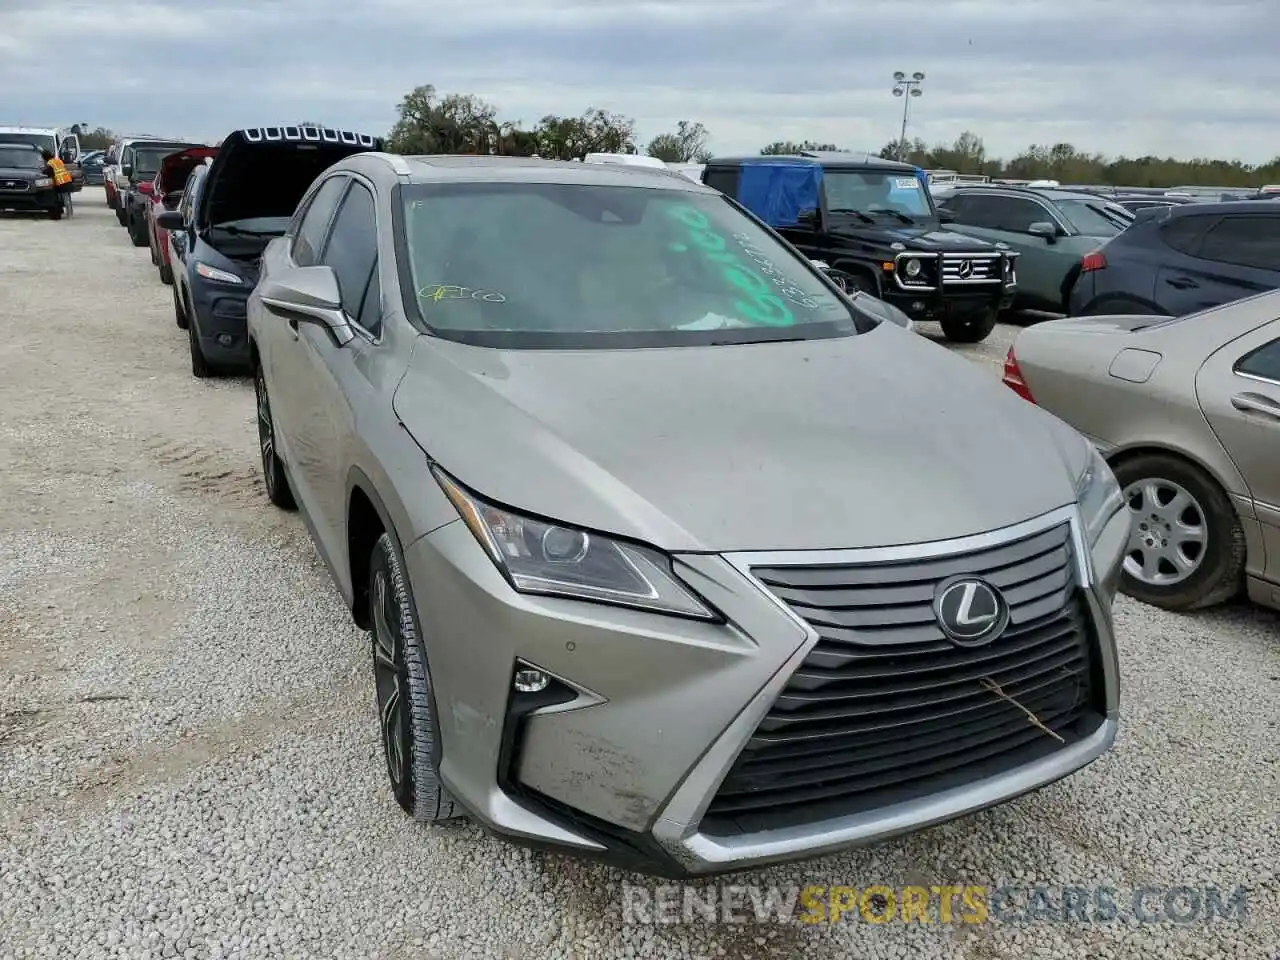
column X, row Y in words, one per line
column 1129, row 76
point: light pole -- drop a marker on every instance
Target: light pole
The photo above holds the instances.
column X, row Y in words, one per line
column 902, row 87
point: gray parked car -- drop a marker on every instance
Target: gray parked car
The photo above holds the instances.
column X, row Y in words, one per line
column 671, row 554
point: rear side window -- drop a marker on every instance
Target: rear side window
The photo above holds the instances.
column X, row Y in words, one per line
column 1247, row 241
column 1183, row 233
column 1263, row 362
column 352, row 252
column 315, row 220
column 724, row 179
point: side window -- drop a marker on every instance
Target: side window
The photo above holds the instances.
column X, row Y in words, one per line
column 352, row 252
column 1183, row 233
column 1017, row 215
column 724, row 179
column 1263, row 362
column 188, row 198
column 310, row 236
column 126, row 158
column 1247, row 241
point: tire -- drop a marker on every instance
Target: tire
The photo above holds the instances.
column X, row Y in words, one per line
column 122, row 217
column 151, row 247
column 273, row 475
column 1104, row 306
column 201, row 369
column 969, row 327
column 55, row 213
column 179, row 311
column 137, row 232
column 1149, row 482
column 402, row 680
column 166, row 274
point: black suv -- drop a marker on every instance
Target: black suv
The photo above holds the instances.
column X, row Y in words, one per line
column 1182, row 260
column 141, row 171
column 24, row 184
column 874, row 222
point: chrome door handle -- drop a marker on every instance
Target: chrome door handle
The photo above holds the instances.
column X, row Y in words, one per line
column 1253, row 403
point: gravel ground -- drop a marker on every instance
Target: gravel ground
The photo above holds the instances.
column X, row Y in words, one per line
column 189, row 763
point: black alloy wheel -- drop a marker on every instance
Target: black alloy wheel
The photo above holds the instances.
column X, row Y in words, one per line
column 273, row 475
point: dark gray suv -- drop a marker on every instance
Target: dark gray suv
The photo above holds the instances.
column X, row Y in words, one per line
column 671, row 553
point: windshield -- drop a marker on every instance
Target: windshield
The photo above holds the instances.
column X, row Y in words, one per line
column 147, row 160
column 36, row 139
column 20, row 157
column 876, row 191
column 255, row 226
column 1091, row 218
column 554, row 265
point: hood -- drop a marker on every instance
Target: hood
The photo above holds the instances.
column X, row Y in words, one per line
column 265, row 171
column 879, row 439
column 923, row 236
column 19, row 173
column 175, row 168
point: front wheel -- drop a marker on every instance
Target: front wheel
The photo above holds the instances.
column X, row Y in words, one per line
column 1186, row 546
column 969, row 327
column 402, row 681
column 273, row 474
column 55, row 213
column 179, row 311
column 201, row 369
column 138, row 232
column 121, row 216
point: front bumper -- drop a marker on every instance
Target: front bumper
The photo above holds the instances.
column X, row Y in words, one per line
column 38, row 201
column 660, row 712
column 221, row 322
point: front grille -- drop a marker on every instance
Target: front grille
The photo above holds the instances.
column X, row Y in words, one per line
column 982, row 268
column 15, row 186
column 885, row 709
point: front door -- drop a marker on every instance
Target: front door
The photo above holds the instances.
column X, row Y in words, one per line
column 1239, row 391
column 324, row 376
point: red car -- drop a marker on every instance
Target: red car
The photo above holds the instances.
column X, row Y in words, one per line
column 166, row 193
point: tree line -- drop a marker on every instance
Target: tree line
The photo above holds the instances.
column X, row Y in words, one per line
column 431, row 122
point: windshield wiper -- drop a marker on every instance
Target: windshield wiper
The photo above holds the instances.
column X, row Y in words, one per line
column 244, row 232
column 856, row 213
column 743, row 343
column 901, row 216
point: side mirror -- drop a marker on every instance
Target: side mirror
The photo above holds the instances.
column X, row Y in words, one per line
column 308, row 295
column 109, row 160
column 126, row 170
column 1047, row 230
column 811, row 218
column 170, row 220
column 172, row 199
column 946, row 216
column 147, row 187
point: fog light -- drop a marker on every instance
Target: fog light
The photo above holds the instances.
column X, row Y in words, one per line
column 530, row 681
column 226, row 339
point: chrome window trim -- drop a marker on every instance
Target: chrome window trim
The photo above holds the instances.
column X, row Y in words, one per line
column 677, row 826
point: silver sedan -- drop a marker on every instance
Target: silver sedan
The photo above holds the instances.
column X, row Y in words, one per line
column 1187, row 412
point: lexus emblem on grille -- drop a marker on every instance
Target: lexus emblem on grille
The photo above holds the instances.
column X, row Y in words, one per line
column 965, row 269
column 970, row 611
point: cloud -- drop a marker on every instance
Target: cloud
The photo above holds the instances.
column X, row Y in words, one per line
column 1170, row 77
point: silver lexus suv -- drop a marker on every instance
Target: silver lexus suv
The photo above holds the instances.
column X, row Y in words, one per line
column 671, row 553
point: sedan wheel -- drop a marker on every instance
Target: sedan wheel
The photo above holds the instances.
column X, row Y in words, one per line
column 1186, row 548
column 1169, row 533
column 406, row 705
column 273, row 475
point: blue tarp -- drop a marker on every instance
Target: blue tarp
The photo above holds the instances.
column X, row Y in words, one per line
column 777, row 190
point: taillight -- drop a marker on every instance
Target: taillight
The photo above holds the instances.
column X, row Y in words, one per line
column 1093, row 261
column 145, row 187
column 1013, row 377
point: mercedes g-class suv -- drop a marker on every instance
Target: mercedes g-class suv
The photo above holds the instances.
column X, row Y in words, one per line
column 875, row 223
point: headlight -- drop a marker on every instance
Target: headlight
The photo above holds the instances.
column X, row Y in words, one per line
column 213, row 273
column 913, row 268
column 551, row 559
column 1098, row 494
column 42, row 182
